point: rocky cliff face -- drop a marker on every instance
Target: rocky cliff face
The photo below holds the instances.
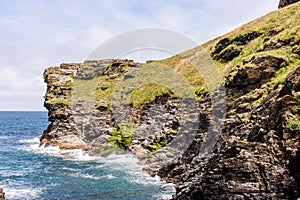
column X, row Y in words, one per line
column 256, row 156
column 239, row 140
column 283, row 3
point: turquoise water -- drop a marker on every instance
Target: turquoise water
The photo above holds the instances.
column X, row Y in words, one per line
column 28, row 171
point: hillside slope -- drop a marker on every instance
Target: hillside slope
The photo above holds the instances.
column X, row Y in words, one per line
column 221, row 121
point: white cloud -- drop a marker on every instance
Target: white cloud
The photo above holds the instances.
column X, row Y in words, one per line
column 12, row 82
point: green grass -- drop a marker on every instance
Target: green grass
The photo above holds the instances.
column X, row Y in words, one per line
column 157, row 144
column 65, row 102
column 122, row 135
column 147, row 93
column 297, row 105
column 104, row 98
column 294, row 125
column 193, row 72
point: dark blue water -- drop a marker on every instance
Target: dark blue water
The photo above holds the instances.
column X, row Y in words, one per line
column 28, row 171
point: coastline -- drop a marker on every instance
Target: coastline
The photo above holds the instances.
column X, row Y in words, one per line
column 236, row 141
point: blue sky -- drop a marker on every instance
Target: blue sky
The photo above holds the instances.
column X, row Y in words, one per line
column 36, row 34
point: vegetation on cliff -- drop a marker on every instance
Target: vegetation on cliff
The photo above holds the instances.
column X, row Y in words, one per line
column 257, row 153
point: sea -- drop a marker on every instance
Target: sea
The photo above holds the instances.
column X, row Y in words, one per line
column 28, row 171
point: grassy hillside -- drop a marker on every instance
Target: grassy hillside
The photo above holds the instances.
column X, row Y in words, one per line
column 276, row 34
column 203, row 68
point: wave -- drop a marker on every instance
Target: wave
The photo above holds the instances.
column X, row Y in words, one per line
column 22, row 193
column 4, row 137
column 88, row 176
column 16, row 190
column 9, row 173
column 33, row 145
column 126, row 163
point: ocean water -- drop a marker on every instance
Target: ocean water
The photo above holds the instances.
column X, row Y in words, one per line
column 28, row 171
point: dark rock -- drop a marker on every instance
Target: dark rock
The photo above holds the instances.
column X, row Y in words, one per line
column 296, row 50
column 283, row 3
column 2, row 194
column 104, row 87
column 227, row 50
column 221, row 45
column 273, row 33
column 271, row 45
column 244, row 39
column 252, row 160
column 243, row 80
column 228, row 54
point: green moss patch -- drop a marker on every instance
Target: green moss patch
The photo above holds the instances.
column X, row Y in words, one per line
column 294, row 125
column 157, row 144
column 122, row 135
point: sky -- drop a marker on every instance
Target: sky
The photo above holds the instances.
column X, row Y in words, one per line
column 36, row 34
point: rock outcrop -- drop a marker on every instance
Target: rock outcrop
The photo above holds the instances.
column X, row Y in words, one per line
column 256, row 156
column 283, row 3
column 2, row 194
column 239, row 140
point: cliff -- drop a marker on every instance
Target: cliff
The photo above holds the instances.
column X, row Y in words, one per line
column 221, row 121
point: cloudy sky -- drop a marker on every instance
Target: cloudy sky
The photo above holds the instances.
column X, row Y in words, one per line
column 36, row 34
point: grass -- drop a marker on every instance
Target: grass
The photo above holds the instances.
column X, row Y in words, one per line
column 157, row 144
column 122, row 135
column 193, row 72
column 104, row 97
column 65, row 102
column 151, row 81
column 147, row 93
column 91, row 90
column 297, row 105
column 294, row 125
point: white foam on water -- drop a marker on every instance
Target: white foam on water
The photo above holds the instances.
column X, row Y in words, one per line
column 88, row 176
column 70, row 169
column 30, row 141
column 33, row 145
column 9, row 173
column 16, row 190
column 4, row 137
column 110, row 176
column 22, row 193
column 77, row 155
column 127, row 163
